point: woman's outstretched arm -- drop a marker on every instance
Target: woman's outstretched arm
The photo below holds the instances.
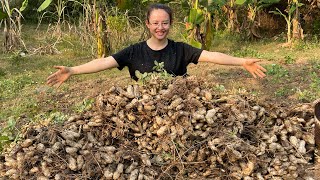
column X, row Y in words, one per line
column 250, row 65
column 96, row 65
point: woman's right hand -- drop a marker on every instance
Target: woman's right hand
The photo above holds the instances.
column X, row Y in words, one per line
column 57, row 78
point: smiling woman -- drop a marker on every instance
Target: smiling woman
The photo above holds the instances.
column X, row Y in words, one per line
column 141, row 56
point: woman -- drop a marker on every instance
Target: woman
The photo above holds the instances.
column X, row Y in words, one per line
column 141, row 56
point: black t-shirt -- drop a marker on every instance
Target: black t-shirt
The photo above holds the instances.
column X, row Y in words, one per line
column 176, row 57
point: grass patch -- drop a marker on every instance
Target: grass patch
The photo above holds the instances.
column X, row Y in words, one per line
column 248, row 52
column 11, row 87
column 289, row 59
column 312, row 92
column 277, row 72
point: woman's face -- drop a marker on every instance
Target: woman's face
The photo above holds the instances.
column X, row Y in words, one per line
column 159, row 24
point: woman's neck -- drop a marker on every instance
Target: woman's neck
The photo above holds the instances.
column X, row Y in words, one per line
column 156, row 44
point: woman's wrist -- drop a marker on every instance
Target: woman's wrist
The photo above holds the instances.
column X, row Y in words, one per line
column 242, row 61
column 71, row 70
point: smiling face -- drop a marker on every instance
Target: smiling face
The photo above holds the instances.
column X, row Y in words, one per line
column 158, row 24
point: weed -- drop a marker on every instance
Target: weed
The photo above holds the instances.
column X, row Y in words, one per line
column 247, row 52
column 304, row 95
column 315, row 81
column 2, row 72
column 10, row 87
column 50, row 118
column 219, row 87
column 57, row 117
column 289, row 60
column 28, row 107
column 17, row 57
column 254, row 93
column 166, row 155
column 85, row 105
column 315, row 63
column 312, row 92
column 303, row 45
column 276, row 71
column 281, row 92
column 9, row 133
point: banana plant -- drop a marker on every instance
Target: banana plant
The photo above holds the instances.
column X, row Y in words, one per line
column 103, row 41
column 253, row 7
column 297, row 31
column 217, row 9
column 232, row 16
column 195, row 18
column 199, row 22
column 292, row 6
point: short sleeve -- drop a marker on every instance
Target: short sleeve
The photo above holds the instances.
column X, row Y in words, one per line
column 192, row 54
column 123, row 57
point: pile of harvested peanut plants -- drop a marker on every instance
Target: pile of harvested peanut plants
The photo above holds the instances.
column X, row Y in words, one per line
column 174, row 130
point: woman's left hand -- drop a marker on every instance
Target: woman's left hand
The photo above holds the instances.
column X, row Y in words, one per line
column 254, row 68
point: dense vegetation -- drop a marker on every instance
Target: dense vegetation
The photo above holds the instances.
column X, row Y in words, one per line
column 251, row 19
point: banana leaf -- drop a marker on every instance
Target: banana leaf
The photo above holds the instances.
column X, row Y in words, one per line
column 195, row 43
column 240, row 2
column 44, row 5
column 24, row 5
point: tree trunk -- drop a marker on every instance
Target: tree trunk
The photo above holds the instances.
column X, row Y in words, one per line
column 297, row 31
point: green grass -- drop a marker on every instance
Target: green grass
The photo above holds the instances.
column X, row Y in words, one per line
column 277, row 72
column 248, row 52
column 312, row 92
column 289, row 59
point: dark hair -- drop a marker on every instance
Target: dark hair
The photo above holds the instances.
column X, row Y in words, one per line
column 159, row 6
